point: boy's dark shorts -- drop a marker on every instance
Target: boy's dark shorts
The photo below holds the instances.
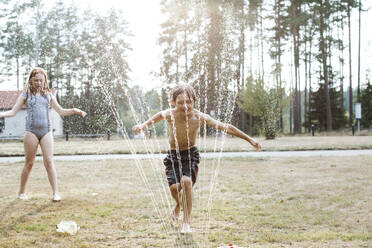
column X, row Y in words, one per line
column 187, row 158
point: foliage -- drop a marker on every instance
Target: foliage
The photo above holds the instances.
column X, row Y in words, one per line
column 198, row 41
column 81, row 53
column 100, row 119
column 263, row 103
column 317, row 113
column 137, row 106
column 211, row 44
column 366, row 101
column 16, row 41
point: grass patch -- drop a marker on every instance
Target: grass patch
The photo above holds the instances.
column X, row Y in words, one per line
column 272, row 202
column 37, row 227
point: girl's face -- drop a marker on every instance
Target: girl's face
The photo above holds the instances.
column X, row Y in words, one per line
column 183, row 103
column 38, row 81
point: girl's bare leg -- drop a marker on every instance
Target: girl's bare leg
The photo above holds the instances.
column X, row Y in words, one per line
column 47, row 147
column 30, row 143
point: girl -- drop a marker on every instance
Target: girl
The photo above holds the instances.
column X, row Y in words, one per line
column 38, row 99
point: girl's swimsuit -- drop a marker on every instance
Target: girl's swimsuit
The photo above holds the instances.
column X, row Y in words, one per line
column 37, row 119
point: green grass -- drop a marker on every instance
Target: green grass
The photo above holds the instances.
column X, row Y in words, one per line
column 271, row 202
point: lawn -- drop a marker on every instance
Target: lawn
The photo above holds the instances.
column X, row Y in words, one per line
column 120, row 146
column 272, row 202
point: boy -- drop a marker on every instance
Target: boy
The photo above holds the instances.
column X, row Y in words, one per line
column 183, row 157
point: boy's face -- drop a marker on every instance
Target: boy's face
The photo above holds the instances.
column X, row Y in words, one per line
column 183, row 103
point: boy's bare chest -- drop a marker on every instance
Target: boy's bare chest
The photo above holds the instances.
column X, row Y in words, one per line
column 182, row 123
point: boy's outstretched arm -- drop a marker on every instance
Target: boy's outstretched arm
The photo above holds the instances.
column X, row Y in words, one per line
column 156, row 118
column 230, row 129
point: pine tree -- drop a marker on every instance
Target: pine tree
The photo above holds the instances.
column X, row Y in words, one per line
column 366, row 101
column 317, row 113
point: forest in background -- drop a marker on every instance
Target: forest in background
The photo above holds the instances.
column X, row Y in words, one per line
column 265, row 66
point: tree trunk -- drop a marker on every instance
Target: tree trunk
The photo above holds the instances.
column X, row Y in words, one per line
column 17, row 59
column 185, row 51
column 177, row 65
column 341, row 59
column 297, row 63
column 350, row 74
column 278, row 63
column 280, row 67
column 251, row 74
column 360, row 10
column 325, row 72
column 292, row 98
column 242, row 51
column 310, row 74
column 37, row 41
column 295, row 59
column 262, row 46
column 305, row 100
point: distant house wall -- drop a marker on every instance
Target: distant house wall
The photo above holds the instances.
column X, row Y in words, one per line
column 57, row 123
column 15, row 126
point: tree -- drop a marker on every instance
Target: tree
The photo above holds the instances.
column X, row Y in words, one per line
column 101, row 119
column 102, row 69
column 359, row 35
column 318, row 113
column 323, row 14
column 297, row 20
column 18, row 42
column 175, row 40
column 366, row 101
column 211, row 59
column 348, row 2
column 262, row 103
column 276, row 53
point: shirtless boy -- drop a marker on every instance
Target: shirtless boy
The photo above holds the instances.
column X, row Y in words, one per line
column 183, row 157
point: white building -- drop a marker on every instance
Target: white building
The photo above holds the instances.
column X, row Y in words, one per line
column 14, row 127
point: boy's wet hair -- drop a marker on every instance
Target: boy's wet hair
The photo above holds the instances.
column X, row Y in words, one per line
column 184, row 89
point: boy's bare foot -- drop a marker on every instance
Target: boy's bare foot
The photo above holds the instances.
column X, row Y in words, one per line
column 176, row 213
column 186, row 228
column 56, row 198
column 23, row 197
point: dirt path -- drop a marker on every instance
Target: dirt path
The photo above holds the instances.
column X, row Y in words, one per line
column 204, row 155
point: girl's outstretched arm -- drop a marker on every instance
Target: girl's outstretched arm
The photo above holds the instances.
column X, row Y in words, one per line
column 230, row 129
column 156, row 118
column 17, row 106
column 65, row 112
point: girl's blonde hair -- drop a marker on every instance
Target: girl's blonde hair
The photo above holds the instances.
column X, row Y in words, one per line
column 29, row 87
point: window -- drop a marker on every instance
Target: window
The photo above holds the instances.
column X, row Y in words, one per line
column 2, row 124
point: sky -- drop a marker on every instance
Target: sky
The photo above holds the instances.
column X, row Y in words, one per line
column 145, row 17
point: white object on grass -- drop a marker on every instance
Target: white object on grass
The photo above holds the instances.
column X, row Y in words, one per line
column 69, row 227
